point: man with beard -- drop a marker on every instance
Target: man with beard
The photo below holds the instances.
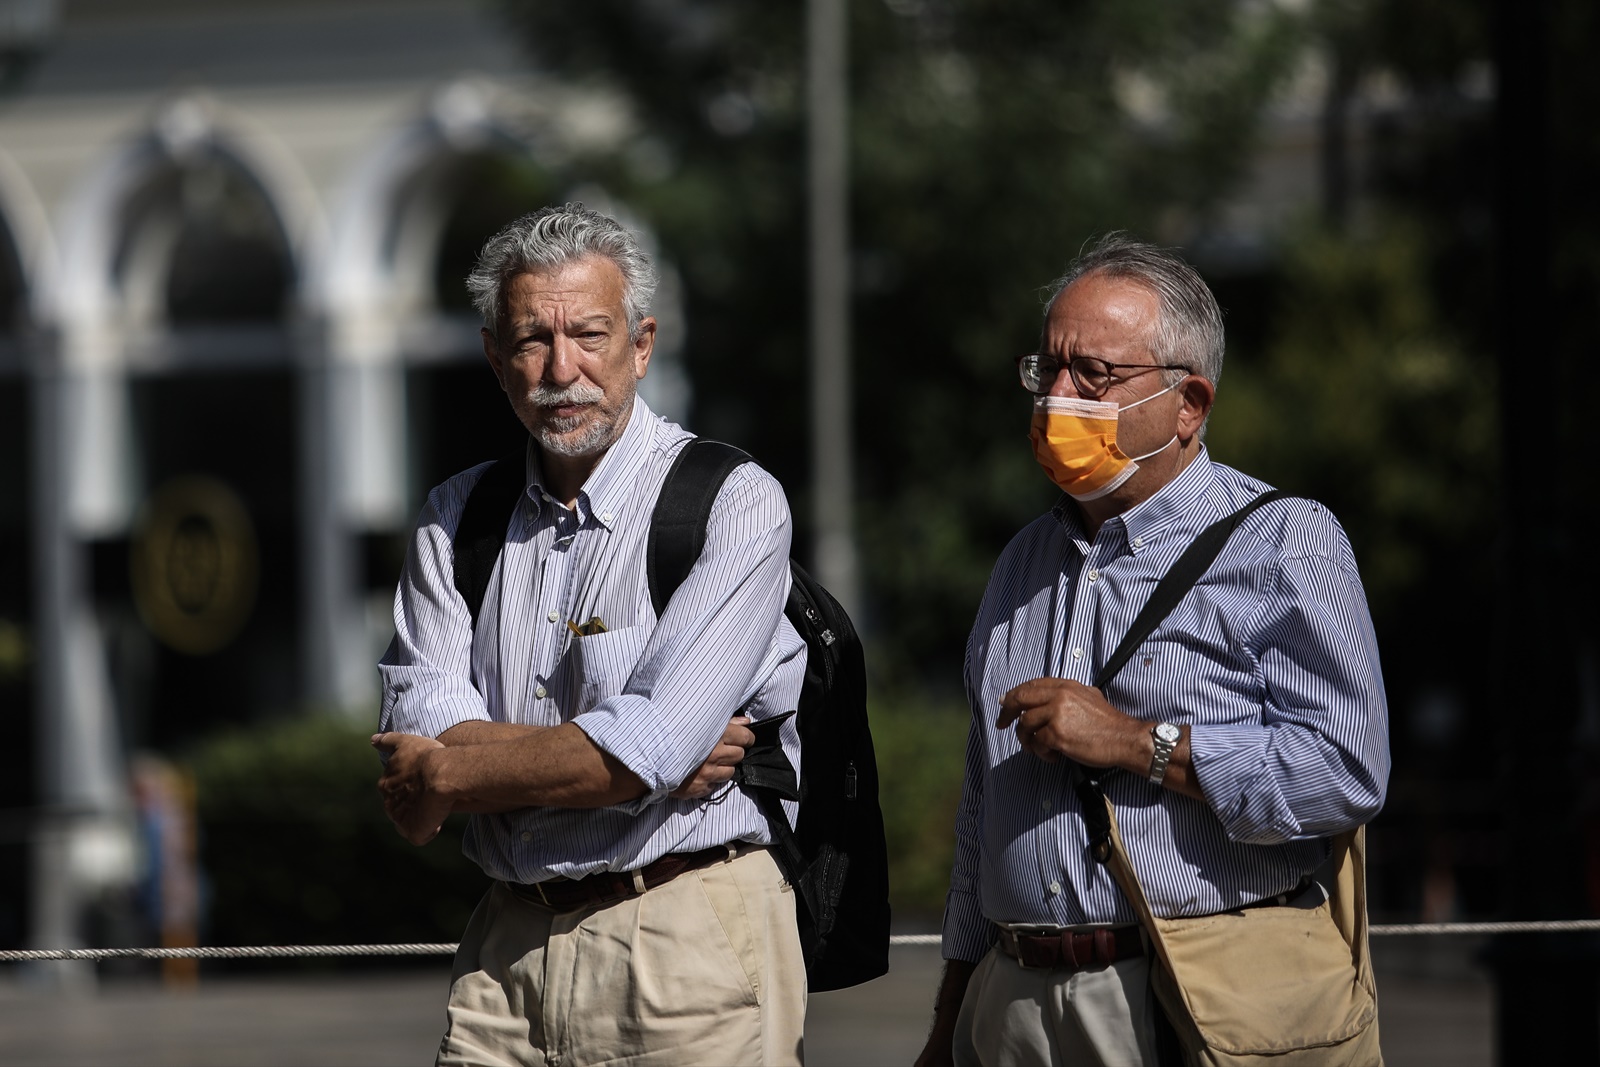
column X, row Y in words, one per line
column 636, row 915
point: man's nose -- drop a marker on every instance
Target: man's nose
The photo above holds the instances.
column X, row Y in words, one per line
column 1064, row 385
column 561, row 369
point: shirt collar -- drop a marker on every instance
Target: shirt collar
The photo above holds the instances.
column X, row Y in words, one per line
column 1175, row 502
column 605, row 494
column 613, row 481
column 1150, row 518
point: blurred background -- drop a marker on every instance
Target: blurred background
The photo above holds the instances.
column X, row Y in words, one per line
column 236, row 352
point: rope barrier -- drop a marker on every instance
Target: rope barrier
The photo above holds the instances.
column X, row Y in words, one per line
column 248, row 952
column 1551, row 926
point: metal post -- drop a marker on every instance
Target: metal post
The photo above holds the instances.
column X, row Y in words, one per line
column 832, row 445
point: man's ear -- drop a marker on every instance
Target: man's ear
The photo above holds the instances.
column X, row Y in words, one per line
column 643, row 344
column 491, row 352
column 1198, row 396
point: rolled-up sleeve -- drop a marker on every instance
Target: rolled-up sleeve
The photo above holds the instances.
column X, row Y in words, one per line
column 427, row 670
column 1316, row 760
column 713, row 646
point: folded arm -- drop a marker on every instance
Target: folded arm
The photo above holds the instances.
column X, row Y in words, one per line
column 490, row 767
column 711, row 649
column 670, row 733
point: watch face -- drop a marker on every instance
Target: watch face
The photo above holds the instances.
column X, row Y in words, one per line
column 1168, row 733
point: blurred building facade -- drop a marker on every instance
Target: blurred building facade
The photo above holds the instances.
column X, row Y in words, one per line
column 235, row 352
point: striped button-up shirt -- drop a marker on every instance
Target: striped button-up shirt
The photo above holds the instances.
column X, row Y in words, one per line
column 655, row 693
column 1271, row 661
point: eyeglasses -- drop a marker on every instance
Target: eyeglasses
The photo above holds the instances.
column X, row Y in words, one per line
column 1090, row 376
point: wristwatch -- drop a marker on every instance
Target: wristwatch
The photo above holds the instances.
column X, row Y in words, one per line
column 1166, row 737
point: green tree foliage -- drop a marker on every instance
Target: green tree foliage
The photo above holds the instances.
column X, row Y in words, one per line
column 920, row 747
column 988, row 141
column 1366, row 398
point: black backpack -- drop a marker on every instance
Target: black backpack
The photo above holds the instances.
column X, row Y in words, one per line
column 835, row 857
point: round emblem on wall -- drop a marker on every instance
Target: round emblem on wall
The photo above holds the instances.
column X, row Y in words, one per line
column 194, row 565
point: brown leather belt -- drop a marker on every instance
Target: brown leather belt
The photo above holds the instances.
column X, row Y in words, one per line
column 608, row 887
column 1075, row 950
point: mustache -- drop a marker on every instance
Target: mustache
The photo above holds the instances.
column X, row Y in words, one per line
column 546, row 396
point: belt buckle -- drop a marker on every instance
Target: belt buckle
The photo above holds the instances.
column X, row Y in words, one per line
column 1024, row 950
column 540, row 887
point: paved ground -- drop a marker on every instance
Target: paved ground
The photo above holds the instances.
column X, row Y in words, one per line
column 1436, row 1011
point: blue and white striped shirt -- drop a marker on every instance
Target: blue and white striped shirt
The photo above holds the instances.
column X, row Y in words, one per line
column 1271, row 660
column 655, row 693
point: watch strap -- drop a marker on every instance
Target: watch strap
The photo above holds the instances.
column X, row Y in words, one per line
column 1162, row 754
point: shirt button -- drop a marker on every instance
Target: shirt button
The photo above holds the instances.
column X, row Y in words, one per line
column 552, row 616
column 1138, row 542
column 1077, row 653
column 1094, row 576
column 539, row 692
column 1055, row 887
column 1045, row 805
column 605, row 517
column 527, row 836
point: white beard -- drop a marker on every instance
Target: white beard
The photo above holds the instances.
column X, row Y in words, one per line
column 580, row 435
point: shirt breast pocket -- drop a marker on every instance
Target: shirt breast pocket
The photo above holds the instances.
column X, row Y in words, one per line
column 605, row 662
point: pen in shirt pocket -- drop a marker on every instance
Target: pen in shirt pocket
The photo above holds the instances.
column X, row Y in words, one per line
column 588, row 629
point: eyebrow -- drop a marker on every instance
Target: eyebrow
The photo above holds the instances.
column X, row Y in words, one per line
column 527, row 327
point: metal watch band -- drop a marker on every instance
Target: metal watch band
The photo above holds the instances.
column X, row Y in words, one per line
column 1164, row 746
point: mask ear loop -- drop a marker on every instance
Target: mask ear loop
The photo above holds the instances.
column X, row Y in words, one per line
column 1157, row 452
column 1152, row 396
column 1146, row 400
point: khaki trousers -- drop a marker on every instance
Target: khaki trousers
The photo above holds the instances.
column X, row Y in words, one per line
column 1016, row 1016
column 703, row 970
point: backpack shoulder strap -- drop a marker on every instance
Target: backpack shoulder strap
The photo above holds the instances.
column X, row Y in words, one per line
column 678, row 524
column 482, row 530
column 1176, row 583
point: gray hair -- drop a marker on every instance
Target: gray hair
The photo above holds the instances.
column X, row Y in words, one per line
column 1190, row 328
column 552, row 237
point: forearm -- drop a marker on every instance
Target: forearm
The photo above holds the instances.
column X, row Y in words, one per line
column 946, row 1012
column 1139, row 749
column 482, row 732
column 494, row 767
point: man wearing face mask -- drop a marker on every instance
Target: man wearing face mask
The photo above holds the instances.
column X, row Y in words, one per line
column 636, row 914
column 1248, row 729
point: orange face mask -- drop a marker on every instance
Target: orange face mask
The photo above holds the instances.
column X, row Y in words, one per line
column 1075, row 441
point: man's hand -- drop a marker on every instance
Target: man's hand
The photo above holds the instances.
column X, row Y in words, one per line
column 718, row 767
column 1056, row 717
column 409, row 799
column 940, row 1048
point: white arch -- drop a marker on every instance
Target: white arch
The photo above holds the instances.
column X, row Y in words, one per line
column 382, row 218
column 25, row 219
column 82, row 290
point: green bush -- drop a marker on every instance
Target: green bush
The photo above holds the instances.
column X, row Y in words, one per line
column 921, row 750
column 295, row 847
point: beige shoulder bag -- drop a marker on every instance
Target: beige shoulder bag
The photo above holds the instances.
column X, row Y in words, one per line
column 1287, row 985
